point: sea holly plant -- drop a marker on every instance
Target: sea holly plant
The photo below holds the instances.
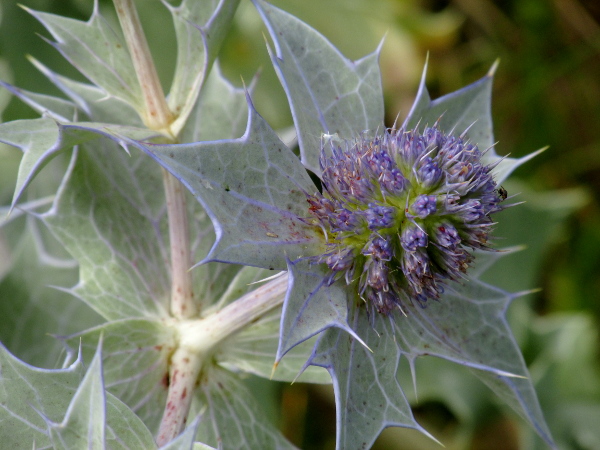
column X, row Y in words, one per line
column 206, row 251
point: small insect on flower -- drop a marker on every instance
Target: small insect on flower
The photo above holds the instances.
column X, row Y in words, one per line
column 399, row 212
column 502, row 193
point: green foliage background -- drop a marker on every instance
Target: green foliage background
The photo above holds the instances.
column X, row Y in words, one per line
column 547, row 93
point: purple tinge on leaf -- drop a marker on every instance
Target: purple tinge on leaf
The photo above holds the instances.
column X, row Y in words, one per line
column 400, row 211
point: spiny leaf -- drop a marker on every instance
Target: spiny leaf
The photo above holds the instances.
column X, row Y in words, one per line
column 91, row 101
column 113, row 226
column 135, row 354
column 200, row 28
column 54, row 107
column 252, row 351
column 97, row 52
column 368, row 395
column 30, row 309
column 234, row 418
column 311, row 306
column 327, row 92
column 254, row 189
column 42, row 139
column 84, row 422
column 219, row 103
column 28, row 395
column 469, row 108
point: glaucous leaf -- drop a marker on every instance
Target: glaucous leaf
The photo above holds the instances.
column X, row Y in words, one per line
column 85, row 419
column 48, row 105
column 234, row 419
column 40, row 140
column 200, row 28
column 253, row 188
column 368, row 395
column 327, row 93
column 31, row 309
column 311, row 306
column 98, row 52
column 467, row 110
column 32, row 397
column 91, row 100
column 135, row 357
column 109, row 215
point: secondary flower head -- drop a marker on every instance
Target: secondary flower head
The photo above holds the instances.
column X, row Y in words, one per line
column 400, row 211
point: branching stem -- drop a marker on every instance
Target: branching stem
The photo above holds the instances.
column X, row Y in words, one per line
column 198, row 338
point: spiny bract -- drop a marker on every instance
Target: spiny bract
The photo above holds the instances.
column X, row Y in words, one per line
column 399, row 211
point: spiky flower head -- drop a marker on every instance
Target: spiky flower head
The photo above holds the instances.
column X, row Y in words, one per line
column 400, row 212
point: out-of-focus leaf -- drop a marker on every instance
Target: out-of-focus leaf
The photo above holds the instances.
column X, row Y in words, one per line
column 219, row 113
column 233, row 418
column 31, row 309
column 53, row 107
column 91, row 101
column 98, row 52
column 84, row 422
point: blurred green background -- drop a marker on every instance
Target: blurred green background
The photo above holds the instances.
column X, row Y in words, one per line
column 546, row 93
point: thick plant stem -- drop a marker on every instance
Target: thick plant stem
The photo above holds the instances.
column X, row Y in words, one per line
column 157, row 115
column 183, row 305
column 198, row 338
column 183, row 373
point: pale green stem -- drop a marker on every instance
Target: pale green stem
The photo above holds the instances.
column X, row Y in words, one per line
column 183, row 304
column 158, row 117
column 199, row 338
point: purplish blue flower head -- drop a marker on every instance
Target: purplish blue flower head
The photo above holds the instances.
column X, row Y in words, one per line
column 400, row 213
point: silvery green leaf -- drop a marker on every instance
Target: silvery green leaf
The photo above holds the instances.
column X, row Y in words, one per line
column 467, row 326
column 92, row 101
column 40, row 140
column 31, row 309
column 468, row 109
column 311, row 306
column 135, row 356
column 113, row 226
column 200, row 28
column 234, row 419
column 328, row 93
column 31, row 397
column 368, row 395
column 53, row 107
column 253, row 188
column 85, row 419
column 252, row 351
column 98, row 52
column 219, row 113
